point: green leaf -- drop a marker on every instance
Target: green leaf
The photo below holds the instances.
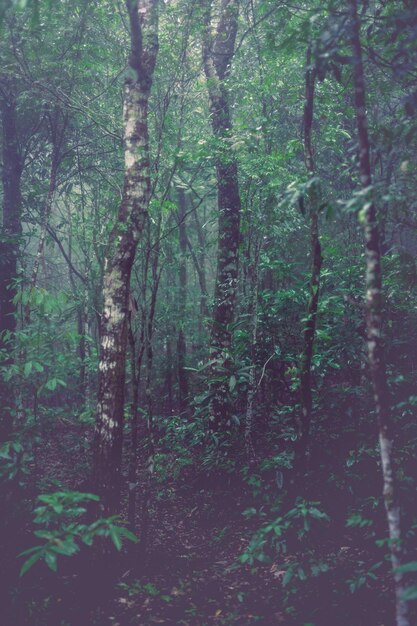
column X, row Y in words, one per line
column 115, row 537
column 44, row 534
column 65, row 550
column 51, row 561
column 301, row 574
column 410, row 593
column 27, row 369
column 87, row 539
column 314, row 512
column 407, row 567
column 31, row 561
column 125, row 532
column 51, row 384
column 5, row 451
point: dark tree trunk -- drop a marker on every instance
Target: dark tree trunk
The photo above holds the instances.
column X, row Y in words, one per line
column 9, row 245
column 170, row 333
column 313, row 200
column 182, row 304
column 11, row 227
column 136, row 357
column 168, row 375
column 121, row 253
column 153, row 253
column 376, row 355
column 218, row 52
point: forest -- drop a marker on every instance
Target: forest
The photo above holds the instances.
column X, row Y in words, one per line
column 208, row 312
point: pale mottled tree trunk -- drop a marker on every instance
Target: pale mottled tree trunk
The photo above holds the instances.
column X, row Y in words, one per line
column 121, row 252
column 376, row 355
column 218, row 50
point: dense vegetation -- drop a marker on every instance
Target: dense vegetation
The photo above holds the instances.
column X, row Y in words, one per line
column 208, row 312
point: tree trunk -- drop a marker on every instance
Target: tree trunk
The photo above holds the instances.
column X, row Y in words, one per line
column 304, row 420
column 9, row 246
column 169, row 332
column 252, row 387
column 11, row 228
column 218, row 52
column 182, row 304
column 199, row 260
column 136, row 368
column 374, row 324
column 121, row 253
column 140, row 431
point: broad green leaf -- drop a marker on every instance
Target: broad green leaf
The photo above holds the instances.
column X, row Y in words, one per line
column 31, row 561
column 125, row 532
column 27, row 369
column 115, row 537
column 51, row 561
column 407, row 567
column 410, row 593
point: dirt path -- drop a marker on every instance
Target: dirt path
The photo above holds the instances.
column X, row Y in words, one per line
column 192, row 577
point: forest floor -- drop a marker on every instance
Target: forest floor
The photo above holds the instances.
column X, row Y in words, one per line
column 190, row 574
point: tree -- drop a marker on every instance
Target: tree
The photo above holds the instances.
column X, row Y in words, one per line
column 10, row 237
column 374, row 322
column 313, row 207
column 143, row 20
column 204, row 248
column 182, row 302
column 218, row 52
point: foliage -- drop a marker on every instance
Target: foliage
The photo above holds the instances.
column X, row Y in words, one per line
column 274, row 535
column 63, row 532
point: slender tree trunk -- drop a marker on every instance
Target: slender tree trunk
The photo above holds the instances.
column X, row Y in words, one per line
column 218, row 52
column 170, row 334
column 199, row 259
column 9, row 247
column 254, row 285
column 121, row 253
column 374, row 325
column 11, row 227
column 82, row 332
column 201, row 274
column 168, row 375
column 136, row 368
column 182, row 304
column 304, row 420
column 150, row 449
column 148, row 437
